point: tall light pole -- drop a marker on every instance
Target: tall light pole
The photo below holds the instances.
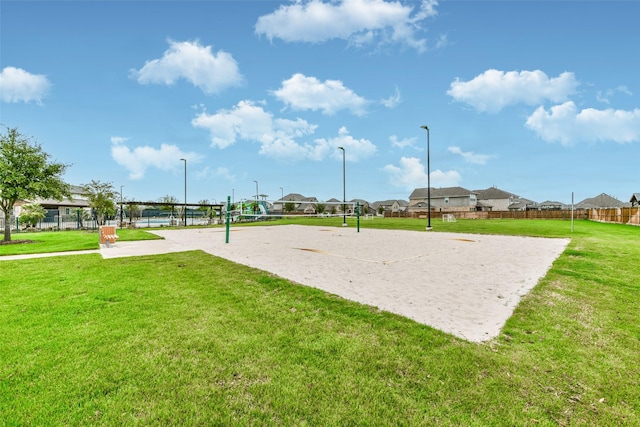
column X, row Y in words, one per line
column 121, row 205
column 344, row 188
column 282, row 199
column 257, row 201
column 185, row 191
column 428, row 180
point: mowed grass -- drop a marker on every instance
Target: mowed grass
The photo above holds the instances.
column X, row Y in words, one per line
column 191, row 339
column 63, row 241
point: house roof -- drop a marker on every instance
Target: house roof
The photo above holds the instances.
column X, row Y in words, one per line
column 551, row 202
column 294, row 197
column 493, row 193
column 421, row 193
column 601, row 201
column 635, row 197
column 401, row 203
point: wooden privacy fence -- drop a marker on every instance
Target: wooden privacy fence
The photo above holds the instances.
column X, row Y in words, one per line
column 626, row 215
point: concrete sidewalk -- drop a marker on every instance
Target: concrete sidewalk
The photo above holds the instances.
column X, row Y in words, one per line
column 118, row 250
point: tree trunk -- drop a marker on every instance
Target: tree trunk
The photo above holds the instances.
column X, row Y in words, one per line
column 7, row 225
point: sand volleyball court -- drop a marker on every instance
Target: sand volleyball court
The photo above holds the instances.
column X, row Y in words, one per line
column 464, row 284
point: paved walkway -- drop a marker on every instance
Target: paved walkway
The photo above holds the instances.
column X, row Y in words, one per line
column 120, row 249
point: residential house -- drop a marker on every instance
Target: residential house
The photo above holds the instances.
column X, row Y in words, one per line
column 389, row 206
column 444, row 199
column 523, row 204
column 495, row 199
column 60, row 210
column 601, row 201
column 551, row 205
column 635, row 199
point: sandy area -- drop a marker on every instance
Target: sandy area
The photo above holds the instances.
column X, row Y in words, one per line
column 464, row 284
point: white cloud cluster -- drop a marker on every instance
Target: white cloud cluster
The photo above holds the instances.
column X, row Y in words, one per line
column 411, row 174
column 565, row 124
column 470, row 156
column 493, row 90
column 359, row 22
column 210, row 72
column 308, row 93
column 402, row 143
column 18, row 85
column 277, row 137
column 139, row 159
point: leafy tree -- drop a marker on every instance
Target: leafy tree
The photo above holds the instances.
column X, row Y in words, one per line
column 172, row 202
column 101, row 197
column 80, row 214
column 26, row 173
column 380, row 209
column 209, row 211
column 134, row 212
column 289, row 207
column 31, row 214
column 321, row 207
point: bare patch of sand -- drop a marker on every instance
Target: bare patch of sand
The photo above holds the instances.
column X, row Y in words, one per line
column 464, row 284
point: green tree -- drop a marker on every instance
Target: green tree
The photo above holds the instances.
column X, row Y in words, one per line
column 31, row 214
column 208, row 211
column 26, row 173
column 321, row 208
column 101, row 197
column 170, row 203
column 289, row 207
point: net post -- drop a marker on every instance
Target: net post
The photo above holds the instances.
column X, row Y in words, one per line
column 228, row 219
column 358, row 215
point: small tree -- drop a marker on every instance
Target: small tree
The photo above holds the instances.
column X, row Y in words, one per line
column 289, row 207
column 171, row 206
column 321, row 207
column 32, row 214
column 101, row 197
column 26, row 173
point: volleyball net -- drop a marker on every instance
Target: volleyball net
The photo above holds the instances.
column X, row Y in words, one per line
column 264, row 209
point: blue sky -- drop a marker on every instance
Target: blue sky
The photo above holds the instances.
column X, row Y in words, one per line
column 539, row 98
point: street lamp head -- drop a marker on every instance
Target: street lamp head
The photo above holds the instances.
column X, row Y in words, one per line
column 424, row 127
column 341, row 148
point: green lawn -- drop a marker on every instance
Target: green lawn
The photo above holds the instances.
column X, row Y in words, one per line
column 191, row 339
column 62, row 241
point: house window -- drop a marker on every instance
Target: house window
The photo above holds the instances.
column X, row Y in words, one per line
column 446, row 200
column 67, row 211
column 472, row 197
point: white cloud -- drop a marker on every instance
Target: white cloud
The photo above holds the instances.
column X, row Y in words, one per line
column 222, row 172
column 394, row 100
column 359, row 22
column 18, row 85
column 139, row 159
column 411, row 174
column 565, row 124
column 354, row 149
column 470, row 156
column 604, row 96
column 493, row 90
column 308, row 93
column 210, row 72
column 402, row 143
column 277, row 137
